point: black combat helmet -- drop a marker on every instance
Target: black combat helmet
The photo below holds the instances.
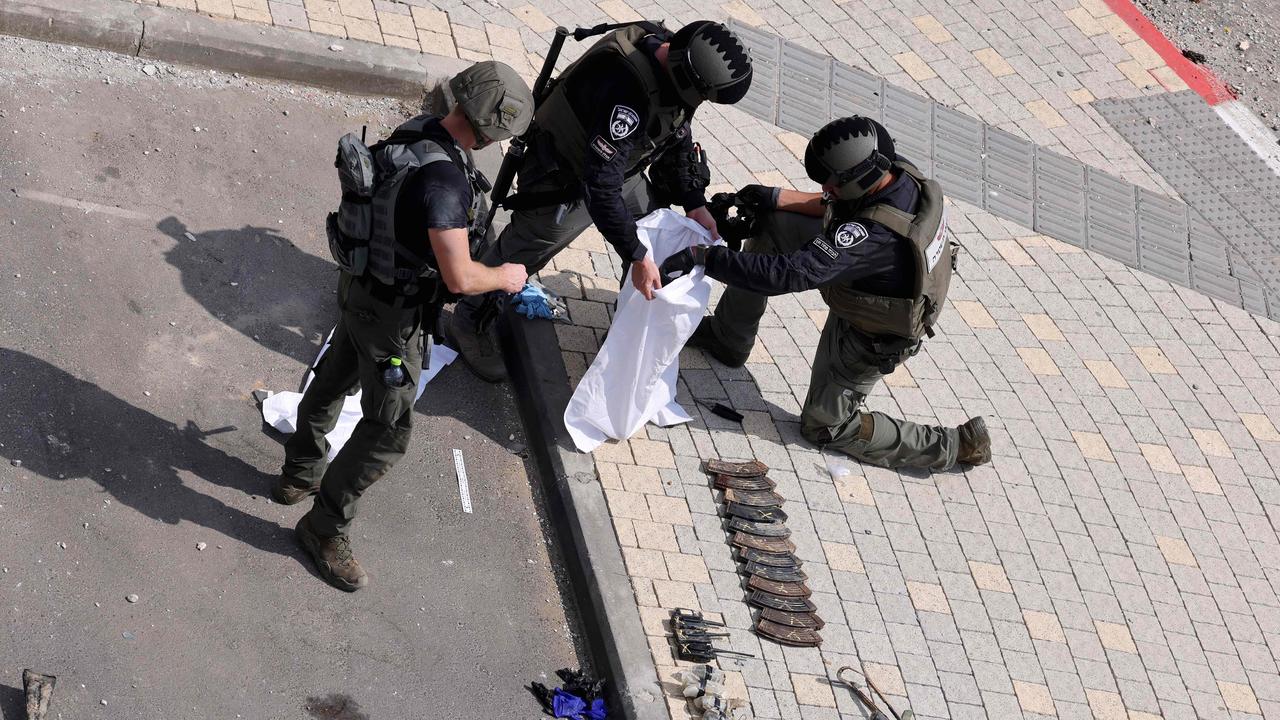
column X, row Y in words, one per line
column 708, row 62
column 853, row 153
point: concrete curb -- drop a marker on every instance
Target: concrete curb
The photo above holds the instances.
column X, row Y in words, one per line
column 261, row 50
column 576, row 505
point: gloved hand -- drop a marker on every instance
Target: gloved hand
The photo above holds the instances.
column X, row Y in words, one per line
column 759, row 197
column 683, row 262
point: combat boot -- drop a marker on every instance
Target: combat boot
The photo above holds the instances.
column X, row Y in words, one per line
column 975, row 443
column 333, row 558
column 289, row 493
column 478, row 347
column 705, row 338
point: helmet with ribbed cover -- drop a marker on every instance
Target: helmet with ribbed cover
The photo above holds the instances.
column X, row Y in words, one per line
column 708, row 62
column 852, row 154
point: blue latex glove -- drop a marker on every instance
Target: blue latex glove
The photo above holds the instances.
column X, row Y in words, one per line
column 533, row 302
column 565, row 705
column 597, row 710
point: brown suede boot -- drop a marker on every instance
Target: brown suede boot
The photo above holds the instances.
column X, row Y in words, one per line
column 333, row 558
column 287, row 493
column 975, row 443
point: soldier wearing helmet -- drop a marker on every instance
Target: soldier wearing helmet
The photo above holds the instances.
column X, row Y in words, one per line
column 623, row 107
column 425, row 198
column 874, row 244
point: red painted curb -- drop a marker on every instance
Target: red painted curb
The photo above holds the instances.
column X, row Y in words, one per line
column 1198, row 78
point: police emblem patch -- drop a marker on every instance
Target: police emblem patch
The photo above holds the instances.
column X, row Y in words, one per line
column 850, row 234
column 603, row 148
column 624, row 122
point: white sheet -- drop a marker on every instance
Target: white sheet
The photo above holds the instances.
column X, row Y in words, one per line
column 280, row 410
column 632, row 380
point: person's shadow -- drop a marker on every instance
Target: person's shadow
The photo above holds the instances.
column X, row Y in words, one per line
column 257, row 282
column 63, row 428
column 13, row 703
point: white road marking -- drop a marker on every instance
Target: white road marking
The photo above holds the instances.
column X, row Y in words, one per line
column 464, row 489
column 85, row 205
column 1252, row 130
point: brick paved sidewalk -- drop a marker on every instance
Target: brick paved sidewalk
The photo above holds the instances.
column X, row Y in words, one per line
column 1120, row 556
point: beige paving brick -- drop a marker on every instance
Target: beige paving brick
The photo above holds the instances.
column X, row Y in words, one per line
column 366, row 30
column 974, row 313
column 1211, row 443
column 1176, row 551
column 1081, row 97
column 655, row 535
column 886, row 677
column 743, row 12
column 932, row 28
column 1140, row 51
column 1013, row 253
column 221, row 8
column 1043, row 327
column 1169, row 79
column 990, row 576
column 1139, row 715
column 1096, row 8
column 1034, row 698
column 324, row 11
column 1045, row 113
column 843, row 557
column 653, row 453
column 1106, row 705
column 361, row 9
column 813, row 690
column 640, row 479
column 1154, row 360
column 795, row 142
column 1107, row 374
column 430, row 19
column 1085, row 21
column 819, row 317
column 928, row 597
column 469, row 38
column 1137, row 74
column 610, row 479
column 1201, row 479
column 1038, row 361
column 180, row 4
column 1044, row 626
column 534, row 18
column 627, row 505
column 437, row 43
column 619, row 10
column 900, row 377
column 1093, row 446
column 1062, row 248
column 402, row 42
column 398, row 25
column 1260, row 427
column 1239, row 697
column 644, row 563
column 253, row 5
column 855, row 489
column 676, row 594
column 772, row 178
column 654, row 620
column 689, row 568
column 616, row 452
column 915, row 66
column 1115, row 636
column 1160, row 458
column 326, row 28
column 1118, row 28
column 994, row 62
column 673, row 510
column 252, row 15
column 735, row 685
column 504, row 37
column 625, row 529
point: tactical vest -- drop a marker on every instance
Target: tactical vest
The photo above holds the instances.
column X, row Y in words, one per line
column 390, row 260
column 557, row 117
column 925, row 232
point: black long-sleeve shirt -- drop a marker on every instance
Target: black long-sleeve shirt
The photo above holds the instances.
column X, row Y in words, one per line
column 614, row 110
column 863, row 255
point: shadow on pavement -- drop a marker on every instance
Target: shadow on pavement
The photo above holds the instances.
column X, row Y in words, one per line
column 281, row 295
column 61, row 427
column 12, row 703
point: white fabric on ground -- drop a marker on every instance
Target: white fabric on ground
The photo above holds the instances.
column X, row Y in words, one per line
column 632, row 380
column 280, row 410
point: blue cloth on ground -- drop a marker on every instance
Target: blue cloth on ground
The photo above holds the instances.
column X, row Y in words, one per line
column 533, row 302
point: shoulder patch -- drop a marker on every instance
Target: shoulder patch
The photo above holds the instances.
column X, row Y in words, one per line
column 849, row 235
column 623, row 122
column 825, row 247
column 603, row 148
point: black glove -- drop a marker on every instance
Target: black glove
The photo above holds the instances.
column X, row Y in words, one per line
column 683, row 263
column 759, row 197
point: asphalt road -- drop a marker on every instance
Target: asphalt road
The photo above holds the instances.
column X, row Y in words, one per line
column 152, row 276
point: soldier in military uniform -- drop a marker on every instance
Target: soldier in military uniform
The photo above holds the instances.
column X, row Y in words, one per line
column 874, row 244
column 427, row 197
column 626, row 103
